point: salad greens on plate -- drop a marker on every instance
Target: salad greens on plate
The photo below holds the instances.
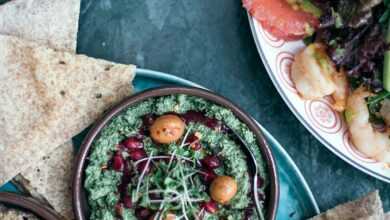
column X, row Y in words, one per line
column 346, row 60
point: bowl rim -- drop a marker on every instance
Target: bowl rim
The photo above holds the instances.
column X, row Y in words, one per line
column 29, row 204
column 81, row 158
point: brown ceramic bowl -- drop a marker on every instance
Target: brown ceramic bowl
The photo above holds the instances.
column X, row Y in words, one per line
column 28, row 204
column 80, row 204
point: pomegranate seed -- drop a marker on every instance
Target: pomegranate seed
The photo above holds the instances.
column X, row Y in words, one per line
column 137, row 154
column 210, row 206
column 118, row 163
column 193, row 116
column 119, row 209
column 212, row 123
column 143, row 213
column 191, row 139
column 132, row 143
column 141, row 166
column 211, row 162
column 194, row 142
column 208, row 175
column 127, row 203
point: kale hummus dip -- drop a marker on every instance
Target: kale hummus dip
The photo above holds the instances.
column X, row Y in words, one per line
column 173, row 157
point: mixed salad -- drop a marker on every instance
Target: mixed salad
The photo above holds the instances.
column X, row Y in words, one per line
column 346, row 60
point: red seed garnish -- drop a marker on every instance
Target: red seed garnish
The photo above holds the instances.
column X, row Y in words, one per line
column 143, row 213
column 118, row 163
column 212, row 123
column 137, row 154
column 211, row 162
column 210, row 206
column 208, row 175
column 127, row 202
column 132, row 143
column 193, row 116
column 191, row 139
column 194, row 142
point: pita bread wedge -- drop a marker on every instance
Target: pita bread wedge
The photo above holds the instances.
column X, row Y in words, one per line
column 48, row 22
column 47, row 97
column 13, row 214
column 51, row 179
column 366, row 208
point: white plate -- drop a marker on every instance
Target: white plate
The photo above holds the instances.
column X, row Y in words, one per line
column 317, row 116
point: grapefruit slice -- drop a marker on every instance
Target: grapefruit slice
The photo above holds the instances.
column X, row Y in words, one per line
column 281, row 19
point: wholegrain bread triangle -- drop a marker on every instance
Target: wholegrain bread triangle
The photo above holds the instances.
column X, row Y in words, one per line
column 59, row 167
column 51, row 179
column 48, row 22
column 47, row 97
column 368, row 207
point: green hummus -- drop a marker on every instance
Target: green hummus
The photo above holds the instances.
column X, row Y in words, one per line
column 102, row 182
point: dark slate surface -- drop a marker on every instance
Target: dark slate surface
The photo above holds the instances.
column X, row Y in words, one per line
column 210, row 43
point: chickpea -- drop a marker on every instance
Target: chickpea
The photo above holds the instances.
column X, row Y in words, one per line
column 167, row 129
column 223, row 189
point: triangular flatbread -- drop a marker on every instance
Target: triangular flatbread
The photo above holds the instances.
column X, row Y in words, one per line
column 48, row 22
column 59, row 178
column 51, row 180
column 366, row 208
column 47, row 97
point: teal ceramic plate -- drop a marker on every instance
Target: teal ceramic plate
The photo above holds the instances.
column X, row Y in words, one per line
column 296, row 199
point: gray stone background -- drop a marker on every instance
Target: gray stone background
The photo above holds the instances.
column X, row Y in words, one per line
column 210, row 43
